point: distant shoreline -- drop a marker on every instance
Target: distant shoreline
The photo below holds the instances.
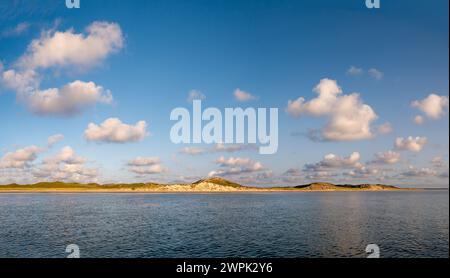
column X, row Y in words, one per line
column 206, row 186
column 100, row 191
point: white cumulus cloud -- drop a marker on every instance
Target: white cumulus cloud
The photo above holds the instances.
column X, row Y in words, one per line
column 334, row 161
column 148, row 170
column 433, row 106
column 389, row 157
column 69, row 100
column 68, row 50
column 65, row 166
column 74, row 49
column 414, row 144
column 362, row 172
column 146, row 166
column 236, row 166
column 113, row 130
column 20, row 158
column 243, row 96
column 144, row 161
column 349, row 118
column 66, row 155
column 419, row 173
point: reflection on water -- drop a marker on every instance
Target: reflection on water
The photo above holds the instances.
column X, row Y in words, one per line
column 332, row 224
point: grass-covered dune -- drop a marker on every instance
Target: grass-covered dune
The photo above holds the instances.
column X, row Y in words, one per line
column 204, row 185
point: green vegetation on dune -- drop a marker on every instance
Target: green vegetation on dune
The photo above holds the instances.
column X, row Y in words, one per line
column 219, row 181
column 330, row 186
column 74, row 186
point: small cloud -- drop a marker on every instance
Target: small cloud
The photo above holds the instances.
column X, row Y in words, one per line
column 217, row 148
column 293, row 172
column 389, row 157
column 418, row 120
column 410, row 144
column 376, row 74
column 355, row 71
column 229, row 148
column 413, row 172
column 146, row 166
column 144, row 161
column 243, row 96
column 194, row 151
column 236, row 166
column 17, row 30
column 362, row 172
column 438, row 161
column 385, row 128
column 195, row 95
column 332, row 161
column 148, row 170
column 113, row 130
column 52, row 140
column 373, row 72
column 66, row 155
column 433, row 106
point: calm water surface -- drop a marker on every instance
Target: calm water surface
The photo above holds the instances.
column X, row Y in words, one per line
column 335, row 224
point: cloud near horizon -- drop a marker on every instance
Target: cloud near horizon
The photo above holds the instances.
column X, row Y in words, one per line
column 20, row 158
column 217, row 148
column 331, row 161
column 389, row 157
column 419, row 172
column 65, row 166
column 236, row 166
column 146, row 166
column 23, row 157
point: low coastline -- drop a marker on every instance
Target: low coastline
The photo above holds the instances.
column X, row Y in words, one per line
column 206, row 186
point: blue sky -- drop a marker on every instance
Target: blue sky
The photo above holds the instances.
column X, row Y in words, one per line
column 274, row 50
